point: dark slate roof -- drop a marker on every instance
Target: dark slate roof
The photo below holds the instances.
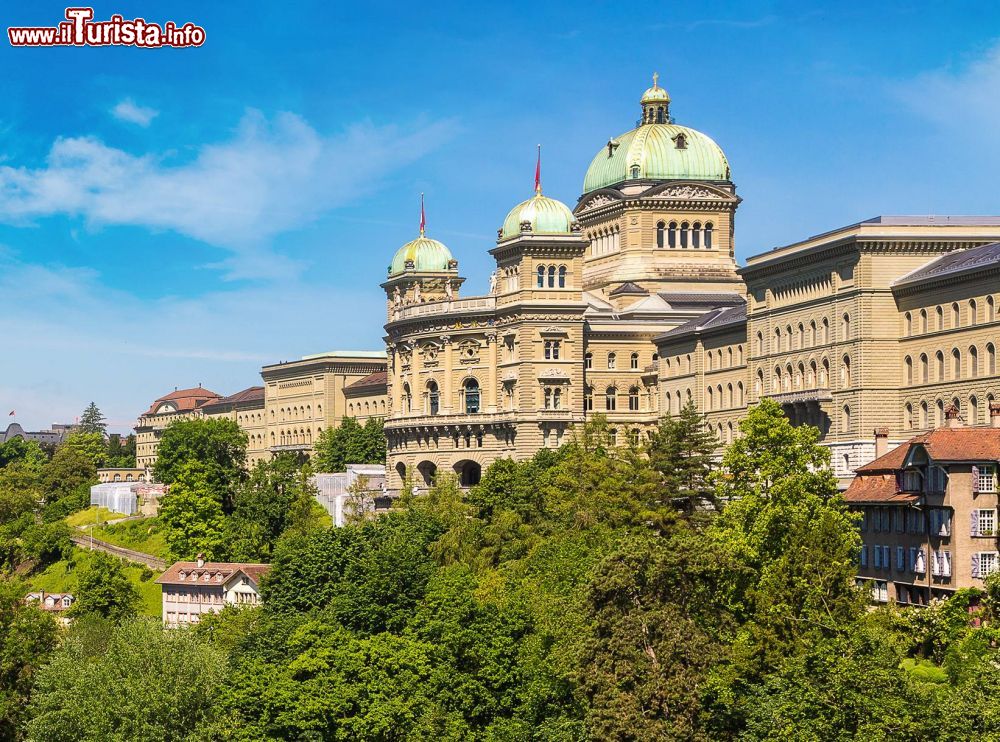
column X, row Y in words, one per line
column 247, row 396
column 632, row 289
column 377, row 379
column 717, row 318
column 682, row 299
column 960, row 261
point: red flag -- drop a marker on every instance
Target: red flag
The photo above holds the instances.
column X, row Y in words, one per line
column 423, row 219
column 538, row 171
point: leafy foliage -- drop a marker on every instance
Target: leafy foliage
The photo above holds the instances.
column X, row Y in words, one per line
column 191, row 513
column 350, row 443
column 217, row 446
column 104, row 590
column 93, row 421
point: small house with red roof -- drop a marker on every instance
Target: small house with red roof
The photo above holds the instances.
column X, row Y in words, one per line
column 929, row 512
column 192, row 589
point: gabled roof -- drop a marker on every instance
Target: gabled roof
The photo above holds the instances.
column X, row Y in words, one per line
column 185, row 399
column 247, row 396
column 706, row 300
column 629, row 288
column 881, row 488
column 954, row 263
column 966, row 444
column 717, row 318
column 377, row 379
column 193, row 574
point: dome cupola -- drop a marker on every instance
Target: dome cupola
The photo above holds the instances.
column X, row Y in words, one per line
column 657, row 149
column 539, row 214
column 422, row 254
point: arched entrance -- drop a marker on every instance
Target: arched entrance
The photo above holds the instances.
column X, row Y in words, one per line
column 469, row 473
column 428, row 470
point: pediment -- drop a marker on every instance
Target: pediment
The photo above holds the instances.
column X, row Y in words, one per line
column 689, row 191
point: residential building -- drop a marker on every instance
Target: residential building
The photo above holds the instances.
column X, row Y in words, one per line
column 193, row 589
column 54, row 603
column 929, row 512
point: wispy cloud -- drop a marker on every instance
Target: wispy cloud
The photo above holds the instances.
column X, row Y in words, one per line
column 130, row 111
column 962, row 100
column 270, row 177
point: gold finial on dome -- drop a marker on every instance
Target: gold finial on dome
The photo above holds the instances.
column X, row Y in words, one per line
column 656, row 76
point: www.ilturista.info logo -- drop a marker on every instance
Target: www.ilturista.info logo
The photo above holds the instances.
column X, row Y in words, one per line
column 80, row 29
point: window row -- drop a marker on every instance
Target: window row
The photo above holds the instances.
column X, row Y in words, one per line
column 469, row 398
column 950, row 367
column 917, row 521
column 612, row 361
column 686, row 234
column 302, row 436
column 803, row 375
column 719, row 399
column 551, row 276
column 250, row 418
column 633, row 399
column 294, row 413
column 926, row 415
column 367, row 408
column 804, row 335
column 605, row 242
column 940, row 319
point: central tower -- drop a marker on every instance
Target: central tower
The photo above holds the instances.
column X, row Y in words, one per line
column 658, row 208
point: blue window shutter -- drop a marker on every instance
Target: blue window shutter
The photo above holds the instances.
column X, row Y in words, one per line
column 877, row 556
column 975, row 480
column 975, row 565
column 974, row 525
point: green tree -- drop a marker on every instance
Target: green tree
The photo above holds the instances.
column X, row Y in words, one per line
column 89, row 445
column 104, row 589
column 21, row 450
column 350, row 443
column 277, row 495
column 216, row 445
column 133, row 681
column 69, row 468
column 47, row 542
column 191, row 514
column 92, row 421
column 681, row 451
column 121, row 451
column 27, row 635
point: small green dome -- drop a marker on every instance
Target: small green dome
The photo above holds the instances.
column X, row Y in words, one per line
column 546, row 216
column 425, row 253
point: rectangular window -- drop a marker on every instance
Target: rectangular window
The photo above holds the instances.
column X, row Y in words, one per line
column 987, row 522
column 987, row 478
column 877, row 556
column 863, row 556
column 900, row 558
column 881, row 591
column 911, row 481
column 987, row 563
column 887, row 557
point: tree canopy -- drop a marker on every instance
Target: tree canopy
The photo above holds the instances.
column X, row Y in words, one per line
column 350, row 443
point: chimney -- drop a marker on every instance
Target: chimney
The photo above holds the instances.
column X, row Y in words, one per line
column 951, row 419
column 881, row 442
column 995, row 414
column 201, row 560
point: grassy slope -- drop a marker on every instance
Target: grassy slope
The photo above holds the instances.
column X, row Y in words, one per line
column 60, row 577
column 90, row 516
column 139, row 535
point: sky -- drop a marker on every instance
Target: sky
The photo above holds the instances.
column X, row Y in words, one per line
column 175, row 217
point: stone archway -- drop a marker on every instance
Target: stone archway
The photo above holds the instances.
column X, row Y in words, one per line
column 427, row 470
column 469, row 472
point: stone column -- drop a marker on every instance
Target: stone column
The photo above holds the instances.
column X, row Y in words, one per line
column 446, row 402
column 392, row 359
column 491, row 394
column 416, row 393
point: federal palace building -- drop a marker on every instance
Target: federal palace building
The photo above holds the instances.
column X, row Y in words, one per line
column 630, row 303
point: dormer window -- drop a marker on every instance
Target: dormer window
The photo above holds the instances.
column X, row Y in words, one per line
column 635, row 171
column 680, row 141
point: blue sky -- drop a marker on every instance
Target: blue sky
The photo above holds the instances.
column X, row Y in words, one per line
column 180, row 216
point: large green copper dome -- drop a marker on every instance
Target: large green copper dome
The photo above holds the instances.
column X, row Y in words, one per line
column 546, row 216
column 657, row 150
column 426, row 255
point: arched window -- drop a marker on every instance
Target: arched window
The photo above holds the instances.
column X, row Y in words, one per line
column 760, row 344
column 826, row 330
column 685, row 229
column 541, row 276
column 924, row 417
column 845, row 325
column 908, row 416
column 588, row 399
column 633, row 399
column 846, row 420
column 633, row 361
column 991, row 360
column 776, row 380
column 939, row 362
column 956, row 363
column 552, row 276
column 907, row 324
column 696, row 235
column 562, row 276
column 955, row 315
column 407, row 407
column 739, row 394
column 710, row 399
column 611, row 399
column 973, row 410
column 612, row 361
column 759, row 383
column 802, row 336
column 557, row 399
column 672, row 235
column 973, row 362
column 991, row 309
column 588, row 360
column 924, row 371
column 547, row 397
column 731, row 396
column 708, row 361
column 661, row 229
column 845, row 371
column 433, row 398
column 973, row 312
column 939, row 313
column 923, row 320
column 708, row 235
column 908, row 367
column 471, row 390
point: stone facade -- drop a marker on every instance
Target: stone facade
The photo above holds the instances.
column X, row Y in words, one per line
column 833, row 322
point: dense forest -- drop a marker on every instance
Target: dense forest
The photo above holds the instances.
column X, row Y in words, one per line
column 592, row 592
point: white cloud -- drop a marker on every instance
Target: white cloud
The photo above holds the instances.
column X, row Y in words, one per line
column 130, row 111
column 268, row 178
column 964, row 101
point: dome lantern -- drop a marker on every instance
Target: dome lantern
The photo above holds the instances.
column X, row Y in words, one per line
column 655, row 104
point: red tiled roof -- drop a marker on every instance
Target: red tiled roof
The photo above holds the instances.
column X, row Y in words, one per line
column 252, row 394
column 877, row 488
column 225, row 569
column 943, row 444
column 185, row 399
column 379, row 378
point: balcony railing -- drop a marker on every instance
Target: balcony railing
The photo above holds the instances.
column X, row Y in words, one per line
column 457, row 306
